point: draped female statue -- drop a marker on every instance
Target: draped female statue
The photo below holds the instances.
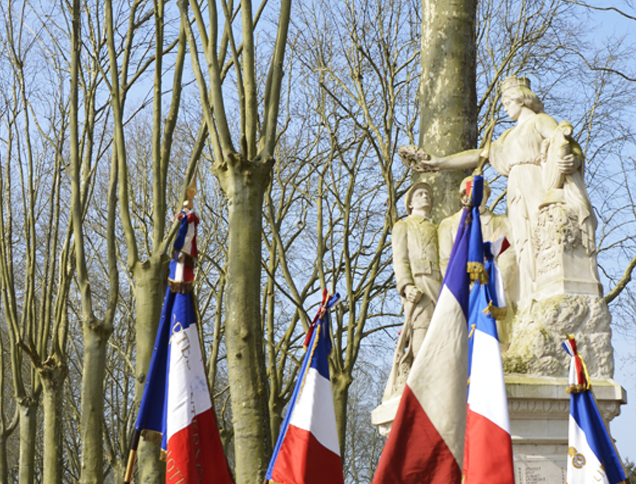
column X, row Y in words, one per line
column 544, row 166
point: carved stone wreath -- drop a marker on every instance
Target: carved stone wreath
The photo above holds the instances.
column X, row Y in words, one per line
column 556, row 226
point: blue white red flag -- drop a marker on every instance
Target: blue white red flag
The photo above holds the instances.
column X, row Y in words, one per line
column 176, row 401
column 496, row 291
column 307, row 450
column 488, row 454
column 426, row 442
column 592, row 457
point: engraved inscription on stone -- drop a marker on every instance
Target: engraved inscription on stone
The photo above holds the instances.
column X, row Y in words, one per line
column 539, row 471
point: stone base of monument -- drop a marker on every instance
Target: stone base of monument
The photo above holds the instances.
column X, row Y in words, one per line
column 539, row 409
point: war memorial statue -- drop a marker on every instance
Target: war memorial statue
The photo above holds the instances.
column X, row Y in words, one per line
column 553, row 282
column 418, row 278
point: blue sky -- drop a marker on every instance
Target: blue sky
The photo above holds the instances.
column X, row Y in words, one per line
column 623, row 427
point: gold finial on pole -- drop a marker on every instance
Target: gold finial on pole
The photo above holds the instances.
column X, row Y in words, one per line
column 191, row 191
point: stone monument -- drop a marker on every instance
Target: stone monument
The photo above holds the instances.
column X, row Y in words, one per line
column 552, row 226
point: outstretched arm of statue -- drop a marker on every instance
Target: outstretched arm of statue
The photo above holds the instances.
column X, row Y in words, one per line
column 418, row 160
column 464, row 160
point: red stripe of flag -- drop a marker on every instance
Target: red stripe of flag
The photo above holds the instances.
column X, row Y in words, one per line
column 414, row 448
column 315, row 465
column 488, row 452
column 195, row 454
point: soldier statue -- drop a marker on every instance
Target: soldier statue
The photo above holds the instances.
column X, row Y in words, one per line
column 418, row 278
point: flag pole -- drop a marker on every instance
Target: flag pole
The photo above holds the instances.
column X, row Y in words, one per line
column 485, row 152
column 132, row 456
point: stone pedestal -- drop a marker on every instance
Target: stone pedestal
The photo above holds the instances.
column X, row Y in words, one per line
column 539, row 409
column 535, row 347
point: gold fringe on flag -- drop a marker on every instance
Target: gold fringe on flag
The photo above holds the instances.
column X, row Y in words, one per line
column 477, row 272
column 576, row 388
column 498, row 313
column 182, row 287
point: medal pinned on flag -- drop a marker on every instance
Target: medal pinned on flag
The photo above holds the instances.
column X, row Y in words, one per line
column 592, row 456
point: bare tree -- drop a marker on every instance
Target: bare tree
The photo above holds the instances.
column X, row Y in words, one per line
column 243, row 175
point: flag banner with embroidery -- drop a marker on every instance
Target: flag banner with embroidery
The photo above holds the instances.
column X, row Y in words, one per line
column 488, row 453
column 176, row 402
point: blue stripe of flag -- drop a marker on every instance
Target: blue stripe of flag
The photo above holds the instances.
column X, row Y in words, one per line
column 456, row 278
column 153, row 402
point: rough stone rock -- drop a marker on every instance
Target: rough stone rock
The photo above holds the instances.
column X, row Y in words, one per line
column 539, row 330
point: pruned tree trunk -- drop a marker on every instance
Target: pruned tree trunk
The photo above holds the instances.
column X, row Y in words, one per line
column 150, row 288
column 4, row 465
column 244, row 178
column 340, row 384
column 28, row 426
column 96, row 334
column 244, row 184
column 52, row 374
column 448, row 97
column 95, row 331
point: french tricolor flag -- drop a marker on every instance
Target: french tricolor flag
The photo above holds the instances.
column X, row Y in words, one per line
column 592, row 457
column 176, row 402
column 488, row 454
column 307, row 450
column 426, row 442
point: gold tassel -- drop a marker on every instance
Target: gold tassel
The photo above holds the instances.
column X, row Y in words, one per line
column 576, row 388
column 182, row 287
column 477, row 272
column 498, row 313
